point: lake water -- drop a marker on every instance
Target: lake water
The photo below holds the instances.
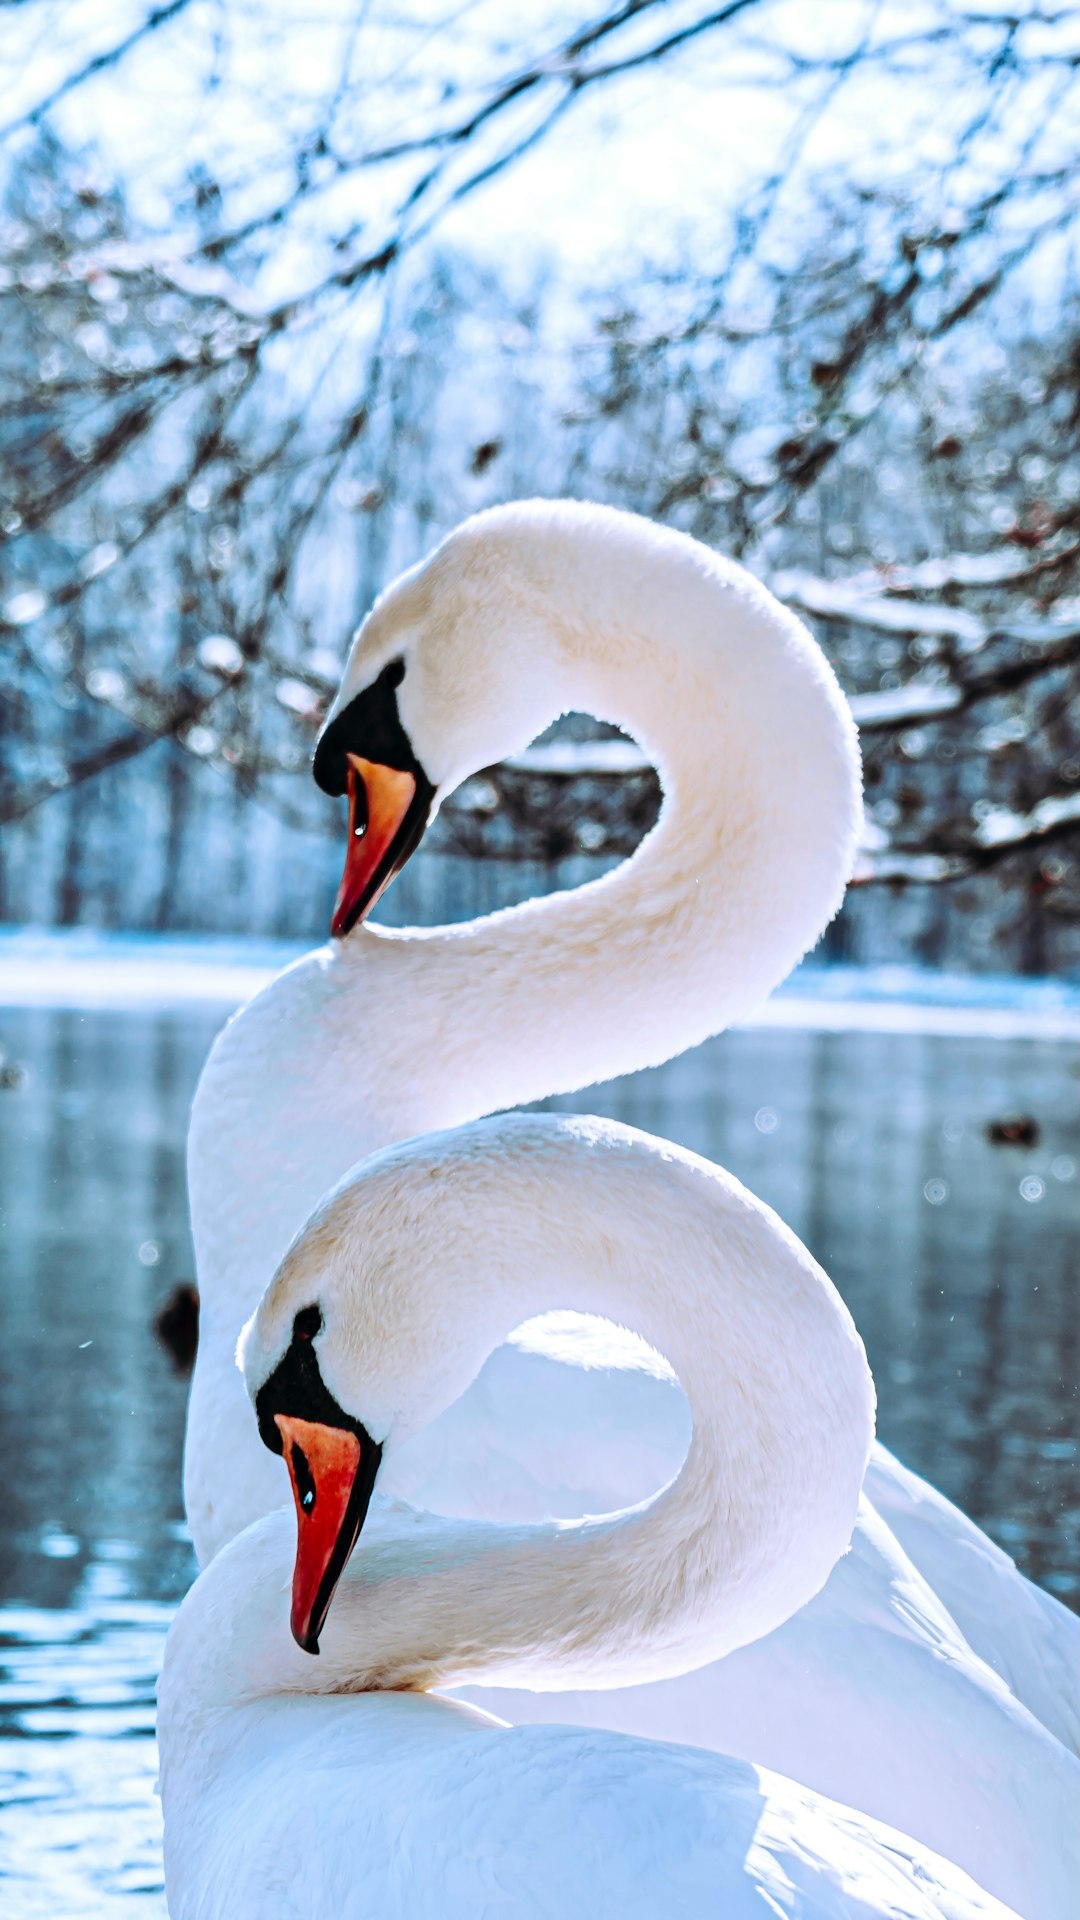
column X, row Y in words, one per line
column 956, row 1256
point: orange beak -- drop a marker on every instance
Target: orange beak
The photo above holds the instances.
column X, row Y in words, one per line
column 331, row 1494
column 379, row 802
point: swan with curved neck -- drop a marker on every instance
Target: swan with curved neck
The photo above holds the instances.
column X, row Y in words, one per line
column 416, row 1268
column 385, row 1034
column 351, row 1349
column 521, row 614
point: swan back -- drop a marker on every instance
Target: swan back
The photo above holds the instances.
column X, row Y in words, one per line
column 412, row 1807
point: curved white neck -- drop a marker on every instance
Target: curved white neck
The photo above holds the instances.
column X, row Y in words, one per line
column 584, row 1215
column 757, row 756
column 388, row 1034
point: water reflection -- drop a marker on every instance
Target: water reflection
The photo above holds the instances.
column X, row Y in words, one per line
column 93, row 1553
column 954, row 1254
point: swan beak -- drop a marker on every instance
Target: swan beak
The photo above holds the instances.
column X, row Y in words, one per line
column 381, row 800
column 332, row 1473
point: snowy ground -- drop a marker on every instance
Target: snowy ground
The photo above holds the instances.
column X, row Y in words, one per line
column 82, row 969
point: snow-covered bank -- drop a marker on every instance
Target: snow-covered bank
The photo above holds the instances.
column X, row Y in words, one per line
column 85, row 970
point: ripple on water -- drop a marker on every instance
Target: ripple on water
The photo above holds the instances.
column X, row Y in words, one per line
column 80, row 1821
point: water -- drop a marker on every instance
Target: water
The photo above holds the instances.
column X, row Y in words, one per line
column 873, row 1146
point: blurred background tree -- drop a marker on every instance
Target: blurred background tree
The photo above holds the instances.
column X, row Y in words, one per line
column 282, row 299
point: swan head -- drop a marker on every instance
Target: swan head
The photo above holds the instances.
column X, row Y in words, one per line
column 453, row 669
column 350, row 1350
column 332, row 1461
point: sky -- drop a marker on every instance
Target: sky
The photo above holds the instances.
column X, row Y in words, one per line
column 641, row 168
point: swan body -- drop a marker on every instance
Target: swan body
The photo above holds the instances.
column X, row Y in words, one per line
column 873, row 1692
column 383, row 1035
column 311, row 1802
column 412, row 1807
column 490, row 1456
column 903, row 1683
column 1027, row 1637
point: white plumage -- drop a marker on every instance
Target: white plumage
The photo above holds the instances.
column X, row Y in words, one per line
column 408, row 1808
column 385, row 1035
column 285, row 1796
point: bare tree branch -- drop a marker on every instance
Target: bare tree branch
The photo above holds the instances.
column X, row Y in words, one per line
column 100, row 63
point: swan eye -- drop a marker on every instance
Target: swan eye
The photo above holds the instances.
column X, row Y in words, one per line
column 359, row 821
column 307, row 1323
column 304, row 1479
column 394, row 674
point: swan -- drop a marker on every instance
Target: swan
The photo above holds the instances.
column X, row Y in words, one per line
column 286, row 1794
column 523, row 612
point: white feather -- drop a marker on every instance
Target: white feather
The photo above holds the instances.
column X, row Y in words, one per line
column 970, row 1669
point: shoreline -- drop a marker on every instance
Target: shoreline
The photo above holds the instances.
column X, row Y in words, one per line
column 83, row 970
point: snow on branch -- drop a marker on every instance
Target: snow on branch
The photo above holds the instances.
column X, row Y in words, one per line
column 1003, row 828
column 941, row 574
column 999, row 833
column 903, row 706
column 856, row 604
column 581, row 759
column 850, row 601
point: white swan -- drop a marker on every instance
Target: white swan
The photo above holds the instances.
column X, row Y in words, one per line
column 382, row 1035
column 282, row 1797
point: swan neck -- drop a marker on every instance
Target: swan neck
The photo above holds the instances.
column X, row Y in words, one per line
column 756, row 751
column 387, row 1034
column 782, row 1406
